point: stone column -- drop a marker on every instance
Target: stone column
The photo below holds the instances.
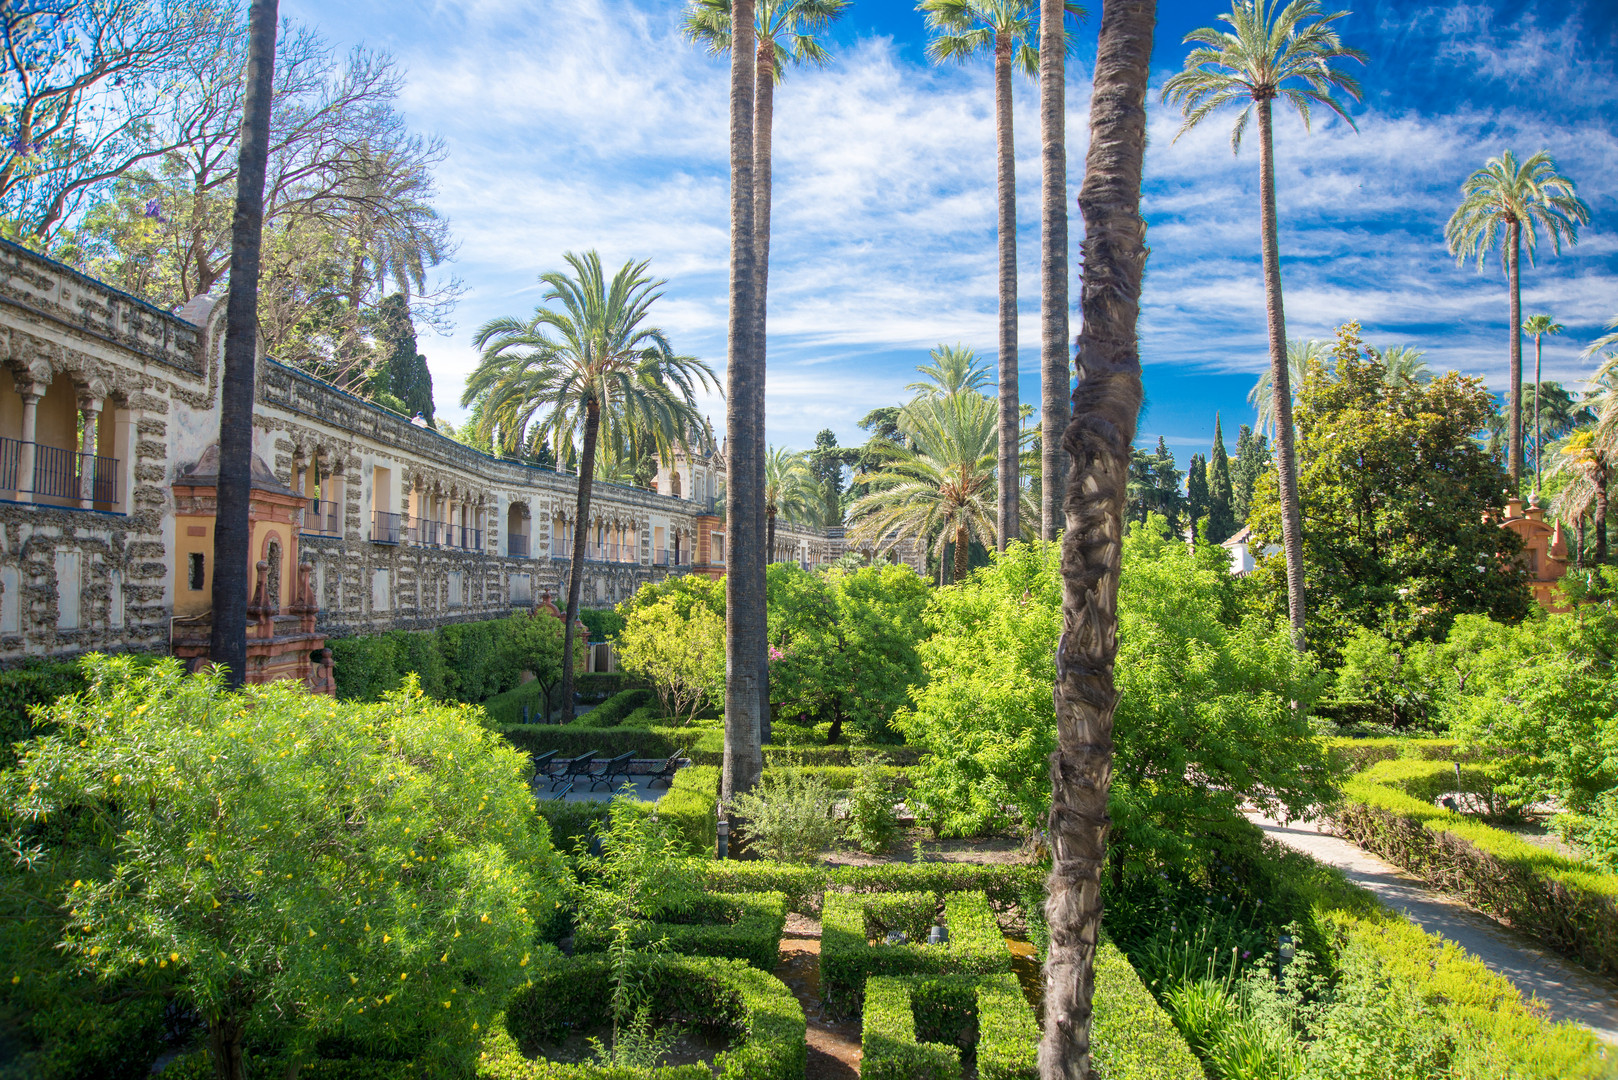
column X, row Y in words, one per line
column 90, row 410
column 31, row 393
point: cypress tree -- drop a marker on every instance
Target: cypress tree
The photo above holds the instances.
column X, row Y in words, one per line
column 1196, row 490
column 1221, row 518
column 401, row 371
column 1252, row 458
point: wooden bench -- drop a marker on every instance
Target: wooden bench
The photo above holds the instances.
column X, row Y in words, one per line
column 542, row 764
column 665, row 772
column 577, row 767
column 611, row 769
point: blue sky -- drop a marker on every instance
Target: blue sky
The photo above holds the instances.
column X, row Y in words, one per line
column 573, row 124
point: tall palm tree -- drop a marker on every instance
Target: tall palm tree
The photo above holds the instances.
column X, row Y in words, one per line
column 942, row 490
column 1511, row 203
column 955, row 368
column 227, row 643
column 1606, row 341
column 587, row 367
column 1054, row 360
column 1537, row 327
column 1106, row 404
column 1269, row 54
column 1404, row 366
column 1586, row 459
column 963, row 29
column 1300, row 354
column 789, row 489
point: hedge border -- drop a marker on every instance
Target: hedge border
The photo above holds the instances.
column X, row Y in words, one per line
column 1555, row 900
column 1007, row 1036
column 1351, row 755
column 849, row 920
column 1131, row 1037
column 753, row 932
column 773, row 1042
column 1005, row 884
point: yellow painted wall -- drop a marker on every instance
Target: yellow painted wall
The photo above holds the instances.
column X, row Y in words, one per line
column 188, row 601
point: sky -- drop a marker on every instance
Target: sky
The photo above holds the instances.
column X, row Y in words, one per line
column 577, row 124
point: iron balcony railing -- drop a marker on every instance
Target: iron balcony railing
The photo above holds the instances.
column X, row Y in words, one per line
column 517, row 545
column 385, row 527
column 320, row 518
column 561, row 548
column 59, row 473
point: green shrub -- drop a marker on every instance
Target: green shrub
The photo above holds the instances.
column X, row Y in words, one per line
column 727, row 998
column 646, row 716
column 1131, row 1037
column 693, row 817
column 850, row 921
column 599, row 685
column 570, row 740
column 847, row 777
column 612, row 711
column 1569, row 907
column 36, row 683
column 1427, row 780
column 872, row 823
column 507, row 709
column 1351, row 754
column 467, row 662
column 788, row 815
column 918, row 1027
column 740, row 926
column 604, row 624
column 710, row 750
column 889, row 1048
column 571, row 823
column 1006, row 885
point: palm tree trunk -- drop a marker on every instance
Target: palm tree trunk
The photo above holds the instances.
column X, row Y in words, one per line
column 581, row 534
column 1578, row 559
column 1106, row 403
column 227, row 645
column 1600, row 521
column 1514, row 393
column 1538, row 449
column 1280, row 378
column 744, row 757
column 1053, row 354
column 1006, row 518
column 962, row 553
column 763, row 139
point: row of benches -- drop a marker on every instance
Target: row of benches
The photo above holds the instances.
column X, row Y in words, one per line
column 563, row 773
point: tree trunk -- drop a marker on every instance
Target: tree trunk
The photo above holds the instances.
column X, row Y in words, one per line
column 225, row 1044
column 581, row 535
column 1600, row 521
column 1539, row 450
column 1053, row 305
column 1106, row 404
column 1006, row 519
column 227, row 645
column 1578, row 558
column 763, row 138
column 1286, row 467
column 962, row 552
column 744, row 758
column 1514, row 392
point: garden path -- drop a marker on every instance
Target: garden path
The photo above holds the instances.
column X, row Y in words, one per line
column 1566, row 990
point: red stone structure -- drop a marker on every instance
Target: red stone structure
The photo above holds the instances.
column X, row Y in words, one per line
column 282, row 642
column 1544, row 550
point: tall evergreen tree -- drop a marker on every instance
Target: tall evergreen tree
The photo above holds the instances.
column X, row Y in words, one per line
column 826, row 462
column 1252, row 458
column 1196, row 490
column 401, row 371
column 1166, row 477
column 1221, row 517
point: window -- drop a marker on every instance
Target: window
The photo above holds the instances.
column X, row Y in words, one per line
column 196, row 571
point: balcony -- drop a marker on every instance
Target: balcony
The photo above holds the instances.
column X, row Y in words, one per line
column 58, row 473
column 322, row 518
column 517, row 545
column 385, row 527
column 671, row 557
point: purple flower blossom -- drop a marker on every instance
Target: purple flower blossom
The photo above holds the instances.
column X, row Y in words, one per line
column 154, row 209
column 776, row 654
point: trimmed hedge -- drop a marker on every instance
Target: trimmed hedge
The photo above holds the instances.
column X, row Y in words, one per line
column 916, row 1028
column 569, row 740
column 1427, row 780
column 1005, row 885
column 845, row 777
column 199, row 1066
column 726, row 997
column 612, row 711
column 712, row 752
column 1352, row 755
column 849, row 922
column 1131, row 1037
column 572, row 823
column 1569, row 907
column 740, row 926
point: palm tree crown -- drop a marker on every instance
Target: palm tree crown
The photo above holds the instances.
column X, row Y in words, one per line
column 787, row 25
column 1404, row 365
column 1264, row 56
column 1300, row 355
column 1532, row 196
column 1605, row 341
column 954, row 368
column 963, row 29
column 789, row 489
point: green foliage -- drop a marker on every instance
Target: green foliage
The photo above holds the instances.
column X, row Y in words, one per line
column 569, row 740
column 1204, row 718
column 1131, row 1036
column 616, row 708
column 1221, row 514
column 788, row 815
column 466, row 662
column 681, row 654
column 24, row 688
column 267, row 847
column 1564, row 904
column 1252, row 461
column 572, row 823
column 1006, row 885
column 1395, row 487
column 850, row 921
column 604, row 624
column 872, row 823
column 917, row 1028
column 726, row 998
column 400, row 371
column 847, row 644
column 1354, row 754
column 741, row 926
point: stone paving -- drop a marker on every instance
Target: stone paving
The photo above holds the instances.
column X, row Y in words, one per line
column 1566, row 990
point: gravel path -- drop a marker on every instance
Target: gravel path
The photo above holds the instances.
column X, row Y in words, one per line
column 1567, row 991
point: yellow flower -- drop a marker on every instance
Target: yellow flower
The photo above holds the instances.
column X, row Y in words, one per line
column 15, row 979
column 311, row 933
column 403, row 975
column 174, row 956
column 386, row 938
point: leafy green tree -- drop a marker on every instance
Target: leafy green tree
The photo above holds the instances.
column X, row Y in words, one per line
column 1537, row 327
column 289, row 866
column 682, row 654
column 845, row 644
column 1509, row 204
column 1203, row 719
column 590, row 367
column 1585, row 463
column 1269, row 55
column 1252, row 461
column 1396, row 492
column 1196, row 490
column 401, row 370
column 1221, row 514
column 826, row 461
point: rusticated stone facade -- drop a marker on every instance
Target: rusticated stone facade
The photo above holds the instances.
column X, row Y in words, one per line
column 109, row 401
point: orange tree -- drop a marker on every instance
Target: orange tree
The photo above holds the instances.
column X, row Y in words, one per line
column 1395, row 488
